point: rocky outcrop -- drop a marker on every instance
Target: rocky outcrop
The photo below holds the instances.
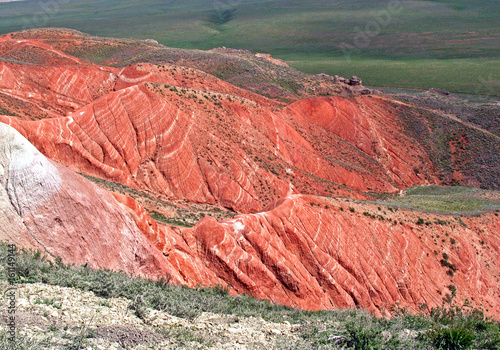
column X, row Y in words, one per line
column 155, row 137
column 327, row 145
column 182, row 134
column 315, row 253
column 305, row 251
column 439, row 92
column 46, row 207
column 354, row 81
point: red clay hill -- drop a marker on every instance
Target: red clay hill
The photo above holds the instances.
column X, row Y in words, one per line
column 174, row 134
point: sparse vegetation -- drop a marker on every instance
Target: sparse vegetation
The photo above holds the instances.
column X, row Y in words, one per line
column 447, row 200
column 172, row 221
column 184, row 218
column 452, row 268
column 446, row 327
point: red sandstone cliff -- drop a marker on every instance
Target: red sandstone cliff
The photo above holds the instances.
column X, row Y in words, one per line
column 308, row 252
column 211, row 148
column 183, row 134
column 49, row 208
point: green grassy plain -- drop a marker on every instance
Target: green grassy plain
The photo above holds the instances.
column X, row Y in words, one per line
column 448, row 200
column 466, row 75
column 446, row 44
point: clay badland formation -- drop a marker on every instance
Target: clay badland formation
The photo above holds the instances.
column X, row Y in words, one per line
column 293, row 164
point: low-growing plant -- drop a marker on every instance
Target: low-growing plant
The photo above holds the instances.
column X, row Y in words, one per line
column 22, row 342
column 446, row 327
column 361, row 337
column 139, row 307
column 454, row 338
column 446, row 263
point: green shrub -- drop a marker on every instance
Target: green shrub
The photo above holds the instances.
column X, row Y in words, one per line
column 446, row 263
column 454, row 338
column 361, row 337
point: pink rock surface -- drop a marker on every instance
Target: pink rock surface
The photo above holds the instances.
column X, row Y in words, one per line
column 212, row 148
column 46, row 207
column 308, row 253
column 186, row 135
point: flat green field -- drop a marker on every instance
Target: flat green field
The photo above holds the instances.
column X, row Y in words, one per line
column 476, row 76
column 454, row 45
column 448, row 200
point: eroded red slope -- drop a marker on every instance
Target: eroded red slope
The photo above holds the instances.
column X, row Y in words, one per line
column 365, row 133
column 192, row 136
column 36, row 92
column 184, row 134
column 209, row 147
column 308, row 252
column 46, row 207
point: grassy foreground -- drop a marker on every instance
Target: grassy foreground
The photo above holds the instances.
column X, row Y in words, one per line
column 449, row 327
